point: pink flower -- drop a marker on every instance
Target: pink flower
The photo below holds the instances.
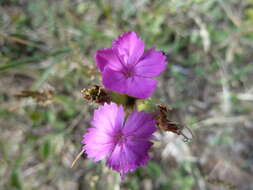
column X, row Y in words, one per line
column 124, row 144
column 127, row 69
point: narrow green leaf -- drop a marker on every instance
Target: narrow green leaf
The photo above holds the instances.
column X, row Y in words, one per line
column 39, row 57
column 15, row 181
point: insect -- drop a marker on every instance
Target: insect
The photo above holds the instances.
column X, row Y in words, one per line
column 96, row 94
column 165, row 124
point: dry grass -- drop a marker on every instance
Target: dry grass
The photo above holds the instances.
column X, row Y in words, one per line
column 51, row 44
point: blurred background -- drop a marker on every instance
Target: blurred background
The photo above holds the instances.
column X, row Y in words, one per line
column 47, row 47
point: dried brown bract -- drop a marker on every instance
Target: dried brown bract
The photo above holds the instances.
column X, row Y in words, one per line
column 43, row 98
column 165, row 124
column 96, row 94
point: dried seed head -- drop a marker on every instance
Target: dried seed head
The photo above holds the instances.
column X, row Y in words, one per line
column 96, row 94
column 164, row 123
column 43, row 97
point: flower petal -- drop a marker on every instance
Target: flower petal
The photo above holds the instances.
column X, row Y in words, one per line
column 127, row 157
column 129, row 48
column 114, row 80
column 107, row 121
column 139, row 87
column 107, row 57
column 97, row 145
column 108, row 118
column 133, row 152
column 151, row 64
column 140, row 124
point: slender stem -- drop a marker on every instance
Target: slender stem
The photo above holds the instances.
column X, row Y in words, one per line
column 77, row 158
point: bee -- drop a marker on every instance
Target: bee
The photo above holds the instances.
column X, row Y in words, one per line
column 96, row 94
column 165, row 124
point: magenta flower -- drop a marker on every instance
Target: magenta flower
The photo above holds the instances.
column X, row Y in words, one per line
column 124, row 144
column 127, row 69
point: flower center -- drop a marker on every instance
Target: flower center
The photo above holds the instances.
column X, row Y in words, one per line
column 120, row 138
column 128, row 72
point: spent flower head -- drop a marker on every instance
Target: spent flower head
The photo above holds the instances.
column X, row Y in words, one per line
column 127, row 68
column 123, row 143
